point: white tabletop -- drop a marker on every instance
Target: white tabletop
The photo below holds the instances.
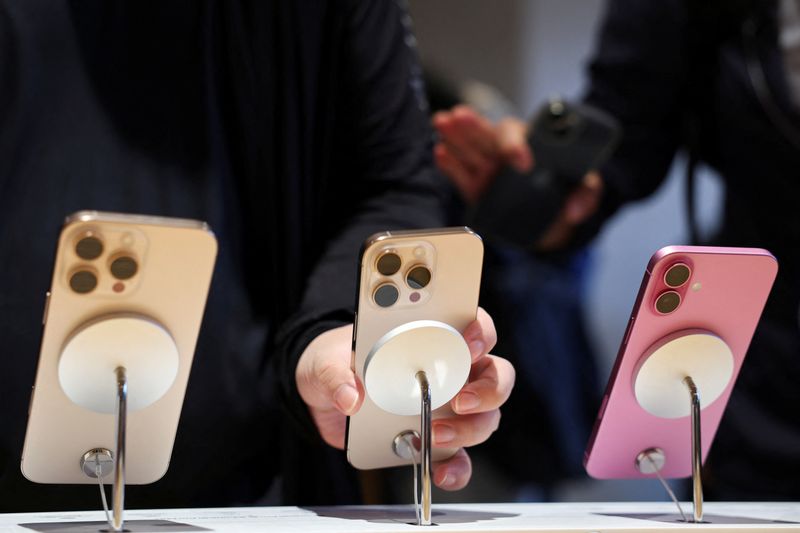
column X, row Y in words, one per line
column 560, row 517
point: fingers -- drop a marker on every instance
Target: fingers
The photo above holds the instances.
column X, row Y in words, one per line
column 478, row 132
column 323, row 374
column 327, row 385
column 466, row 134
column 466, row 430
column 467, row 184
column 332, row 426
column 481, row 335
column 581, row 204
column 467, row 150
column 463, row 128
column 489, row 386
column 512, row 142
column 454, row 473
column 583, row 201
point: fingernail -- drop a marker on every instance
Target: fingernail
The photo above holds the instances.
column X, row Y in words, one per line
column 447, row 481
column 477, row 347
column 346, row 398
column 467, row 401
column 443, row 433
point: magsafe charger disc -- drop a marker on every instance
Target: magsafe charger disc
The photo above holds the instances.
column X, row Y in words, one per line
column 659, row 386
column 91, row 355
column 431, row 346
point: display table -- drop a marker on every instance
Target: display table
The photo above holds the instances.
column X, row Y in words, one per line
column 561, row 517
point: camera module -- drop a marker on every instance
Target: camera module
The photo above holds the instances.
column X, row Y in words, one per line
column 388, row 263
column 677, row 275
column 418, row 277
column 386, row 295
column 667, row 302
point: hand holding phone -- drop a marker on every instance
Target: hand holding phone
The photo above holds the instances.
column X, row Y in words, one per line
column 325, row 370
column 567, row 141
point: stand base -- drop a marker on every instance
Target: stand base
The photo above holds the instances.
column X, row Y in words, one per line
column 99, row 462
column 618, row 517
column 410, row 443
column 134, row 526
column 415, row 368
column 652, row 460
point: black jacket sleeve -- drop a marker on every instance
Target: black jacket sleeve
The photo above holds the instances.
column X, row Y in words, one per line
column 384, row 162
column 639, row 74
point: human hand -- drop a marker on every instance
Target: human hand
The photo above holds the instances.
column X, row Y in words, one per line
column 471, row 151
column 332, row 391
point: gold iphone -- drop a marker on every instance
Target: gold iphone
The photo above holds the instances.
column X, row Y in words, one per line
column 112, row 268
column 405, row 277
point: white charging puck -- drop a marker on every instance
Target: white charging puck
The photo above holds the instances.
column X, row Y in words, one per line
column 430, row 346
column 91, row 355
column 700, row 354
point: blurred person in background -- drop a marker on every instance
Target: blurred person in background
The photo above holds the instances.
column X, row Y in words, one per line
column 534, row 299
column 720, row 79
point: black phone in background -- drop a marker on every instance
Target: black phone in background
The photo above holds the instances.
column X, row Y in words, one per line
column 567, row 141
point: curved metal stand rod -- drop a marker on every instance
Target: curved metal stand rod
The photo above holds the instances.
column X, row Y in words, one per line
column 118, row 495
column 425, row 434
column 651, row 461
column 697, row 480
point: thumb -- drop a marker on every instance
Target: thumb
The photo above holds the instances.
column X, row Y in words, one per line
column 338, row 384
column 324, row 377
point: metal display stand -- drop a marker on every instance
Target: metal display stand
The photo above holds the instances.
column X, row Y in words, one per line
column 425, row 434
column 410, row 443
column 428, row 359
column 652, row 460
column 118, row 495
column 697, row 459
column 673, row 366
column 98, row 462
column 89, row 359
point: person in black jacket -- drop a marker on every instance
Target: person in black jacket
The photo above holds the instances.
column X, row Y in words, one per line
column 721, row 79
column 296, row 129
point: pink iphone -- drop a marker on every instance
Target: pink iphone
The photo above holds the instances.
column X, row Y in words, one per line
column 688, row 292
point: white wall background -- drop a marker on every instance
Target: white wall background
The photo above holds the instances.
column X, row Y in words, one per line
column 530, row 49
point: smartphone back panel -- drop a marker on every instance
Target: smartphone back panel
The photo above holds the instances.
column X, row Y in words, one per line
column 175, row 259
column 724, row 294
column 454, row 258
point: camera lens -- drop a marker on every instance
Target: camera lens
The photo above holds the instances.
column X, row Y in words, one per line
column 418, row 277
column 677, row 275
column 124, row 267
column 667, row 302
column 83, row 281
column 386, row 295
column 89, row 247
column 389, row 263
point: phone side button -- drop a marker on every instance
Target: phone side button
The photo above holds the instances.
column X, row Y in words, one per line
column 355, row 329
column 30, row 403
column 603, row 406
column 628, row 331
column 46, row 307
